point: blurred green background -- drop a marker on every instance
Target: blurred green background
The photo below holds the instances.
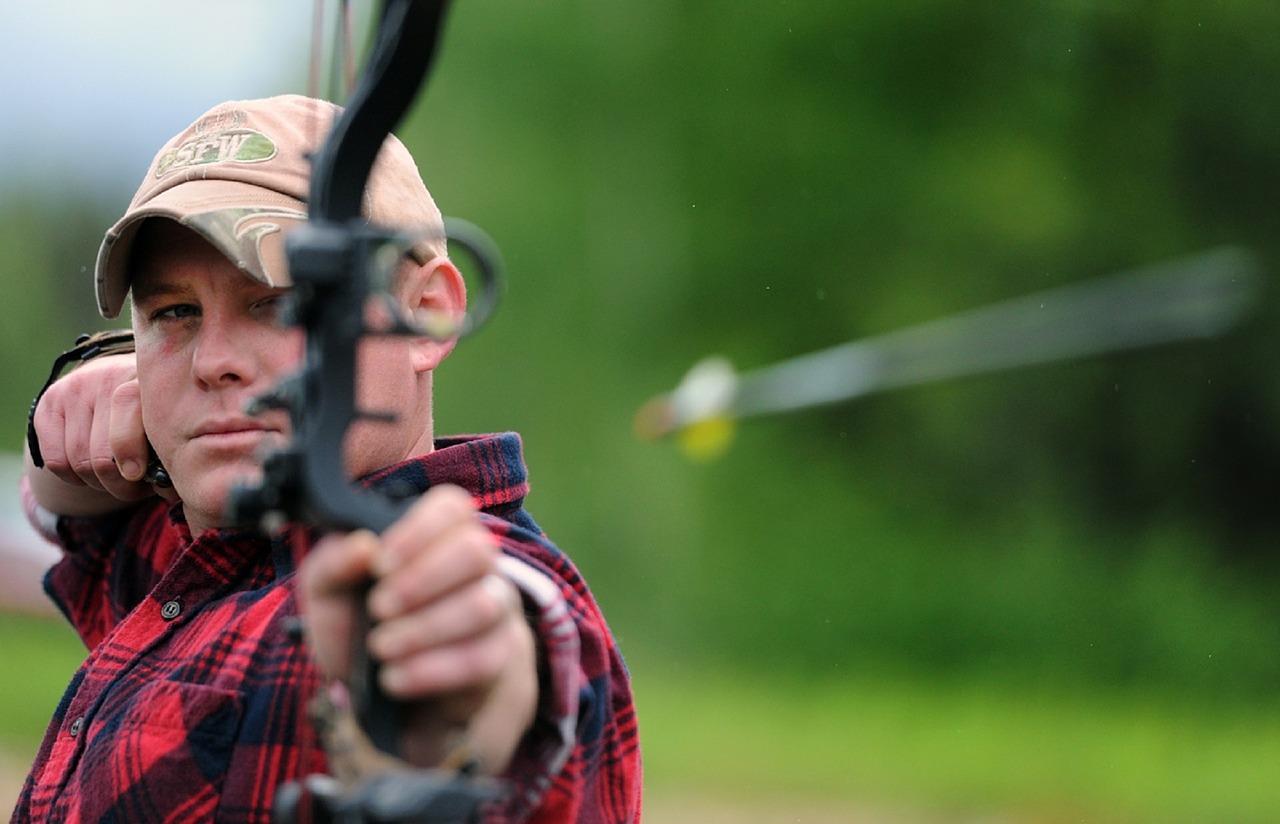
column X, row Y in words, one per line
column 1040, row 596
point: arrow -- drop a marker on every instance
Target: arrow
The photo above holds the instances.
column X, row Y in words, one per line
column 1195, row 297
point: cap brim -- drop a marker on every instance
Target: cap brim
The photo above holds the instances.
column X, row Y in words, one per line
column 246, row 223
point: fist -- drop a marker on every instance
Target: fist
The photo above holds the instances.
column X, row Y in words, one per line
column 448, row 629
column 89, row 425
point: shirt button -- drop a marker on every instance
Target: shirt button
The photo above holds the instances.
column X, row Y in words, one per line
column 170, row 610
column 75, row 726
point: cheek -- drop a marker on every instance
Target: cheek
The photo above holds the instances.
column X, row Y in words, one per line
column 157, row 375
column 283, row 352
column 382, row 370
column 292, row 341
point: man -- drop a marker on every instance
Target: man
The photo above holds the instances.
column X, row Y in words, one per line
column 192, row 702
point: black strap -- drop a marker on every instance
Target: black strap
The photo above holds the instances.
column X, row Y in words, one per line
column 88, row 347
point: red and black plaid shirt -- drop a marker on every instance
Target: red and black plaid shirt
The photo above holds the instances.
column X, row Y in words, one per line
column 191, row 704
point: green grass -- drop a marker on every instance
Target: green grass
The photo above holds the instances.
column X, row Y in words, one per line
column 945, row 749
column 38, row 658
column 959, row 749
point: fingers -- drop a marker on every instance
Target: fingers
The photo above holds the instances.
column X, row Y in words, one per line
column 441, row 610
column 438, row 546
column 464, row 642
column 431, row 520
column 464, row 613
column 332, row 584
column 59, row 438
column 118, row 445
column 90, row 428
column 450, row 633
column 444, row 619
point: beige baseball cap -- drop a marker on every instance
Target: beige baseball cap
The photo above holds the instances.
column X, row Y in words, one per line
column 240, row 176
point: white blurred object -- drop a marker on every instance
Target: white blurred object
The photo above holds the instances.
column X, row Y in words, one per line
column 24, row 555
column 1195, row 297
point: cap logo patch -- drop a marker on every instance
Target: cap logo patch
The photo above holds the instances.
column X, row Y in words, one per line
column 223, row 146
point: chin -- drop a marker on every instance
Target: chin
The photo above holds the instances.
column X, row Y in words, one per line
column 205, row 499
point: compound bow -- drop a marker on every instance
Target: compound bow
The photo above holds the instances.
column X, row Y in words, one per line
column 335, row 260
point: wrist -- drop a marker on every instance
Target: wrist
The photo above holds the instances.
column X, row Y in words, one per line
column 87, row 347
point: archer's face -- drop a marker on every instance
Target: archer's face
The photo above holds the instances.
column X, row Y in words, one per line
column 207, row 344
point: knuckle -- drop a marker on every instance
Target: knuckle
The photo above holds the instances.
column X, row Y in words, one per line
column 128, row 392
column 481, row 661
column 488, row 608
column 480, row 545
column 102, row 465
column 449, row 501
column 82, row 466
column 82, row 469
column 50, row 422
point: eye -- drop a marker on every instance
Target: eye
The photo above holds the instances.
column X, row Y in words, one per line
column 177, row 311
column 269, row 308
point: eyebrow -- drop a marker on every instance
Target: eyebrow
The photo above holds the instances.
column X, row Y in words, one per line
column 144, row 289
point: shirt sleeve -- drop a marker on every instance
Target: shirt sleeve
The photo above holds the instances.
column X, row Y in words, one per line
column 580, row 761
column 42, row 520
column 104, row 571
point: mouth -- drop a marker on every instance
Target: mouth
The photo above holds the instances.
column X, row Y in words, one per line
column 232, row 434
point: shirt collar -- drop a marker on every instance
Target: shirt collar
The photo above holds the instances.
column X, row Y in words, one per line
column 490, row 467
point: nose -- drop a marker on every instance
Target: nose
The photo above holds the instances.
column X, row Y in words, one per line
column 225, row 353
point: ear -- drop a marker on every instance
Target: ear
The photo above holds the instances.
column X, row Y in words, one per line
column 433, row 292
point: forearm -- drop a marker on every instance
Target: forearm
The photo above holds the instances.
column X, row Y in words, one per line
column 63, row 498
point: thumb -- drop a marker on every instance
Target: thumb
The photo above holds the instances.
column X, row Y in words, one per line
column 128, row 441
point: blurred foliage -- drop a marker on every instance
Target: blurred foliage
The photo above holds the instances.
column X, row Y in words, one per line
column 41, row 655
column 762, row 181
column 668, row 179
column 48, row 240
